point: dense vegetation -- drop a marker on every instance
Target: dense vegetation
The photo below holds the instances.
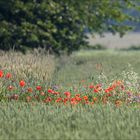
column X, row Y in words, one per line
column 59, row 25
column 77, row 74
column 25, row 121
column 87, row 95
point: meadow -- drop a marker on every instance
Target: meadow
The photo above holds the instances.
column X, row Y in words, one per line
column 88, row 95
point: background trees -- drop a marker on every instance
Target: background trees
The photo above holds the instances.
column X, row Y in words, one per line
column 58, row 25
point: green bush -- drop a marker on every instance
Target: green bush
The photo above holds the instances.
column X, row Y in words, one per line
column 58, row 25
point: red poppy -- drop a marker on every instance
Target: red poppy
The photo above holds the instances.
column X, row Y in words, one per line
column 8, row 75
column 78, row 95
column 96, row 90
column 65, row 100
column 22, row 83
column 38, row 87
column 30, row 90
column 68, row 94
column 73, row 101
column 109, row 95
column 50, row 91
column 109, row 89
column 85, row 98
column 78, row 98
column 58, row 99
column 91, row 86
column 48, row 99
column 122, row 87
column 1, row 73
column 106, row 91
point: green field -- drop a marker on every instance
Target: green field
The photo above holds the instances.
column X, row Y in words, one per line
column 23, row 121
column 35, row 120
column 89, row 65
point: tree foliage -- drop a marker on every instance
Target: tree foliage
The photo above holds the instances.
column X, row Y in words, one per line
column 59, row 25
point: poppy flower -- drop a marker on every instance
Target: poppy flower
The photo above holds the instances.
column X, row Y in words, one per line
column 91, row 86
column 106, row 91
column 1, row 73
column 122, row 87
column 65, row 100
column 68, row 94
column 96, row 90
column 30, row 90
column 73, row 101
column 48, row 99
column 22, row 83
column 50, row 91
column 85, row 98
column 38, row 87
column 58, row 99
column 8, row 75
column 78, row 98
column 77, row 95
column 109, row 89
column 109, row 95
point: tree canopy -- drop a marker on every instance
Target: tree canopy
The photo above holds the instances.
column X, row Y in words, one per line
column 59, row 25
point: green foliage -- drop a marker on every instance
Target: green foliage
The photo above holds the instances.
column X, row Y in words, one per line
column 59, row 25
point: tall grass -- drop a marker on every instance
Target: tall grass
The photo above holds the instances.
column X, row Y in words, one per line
column 25, row 121
column 32, row 65
column 34, row 120
column 89, row 65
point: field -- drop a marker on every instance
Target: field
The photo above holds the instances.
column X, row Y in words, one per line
column 88, row 95
column 114, row 41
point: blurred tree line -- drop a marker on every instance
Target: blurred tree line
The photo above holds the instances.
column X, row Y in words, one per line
column 59, row 25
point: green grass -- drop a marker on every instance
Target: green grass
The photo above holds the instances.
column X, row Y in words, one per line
column 20, row 120
column 23, row 121
column 83, row 65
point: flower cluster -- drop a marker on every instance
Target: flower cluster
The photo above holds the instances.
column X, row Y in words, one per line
column 116, row 93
